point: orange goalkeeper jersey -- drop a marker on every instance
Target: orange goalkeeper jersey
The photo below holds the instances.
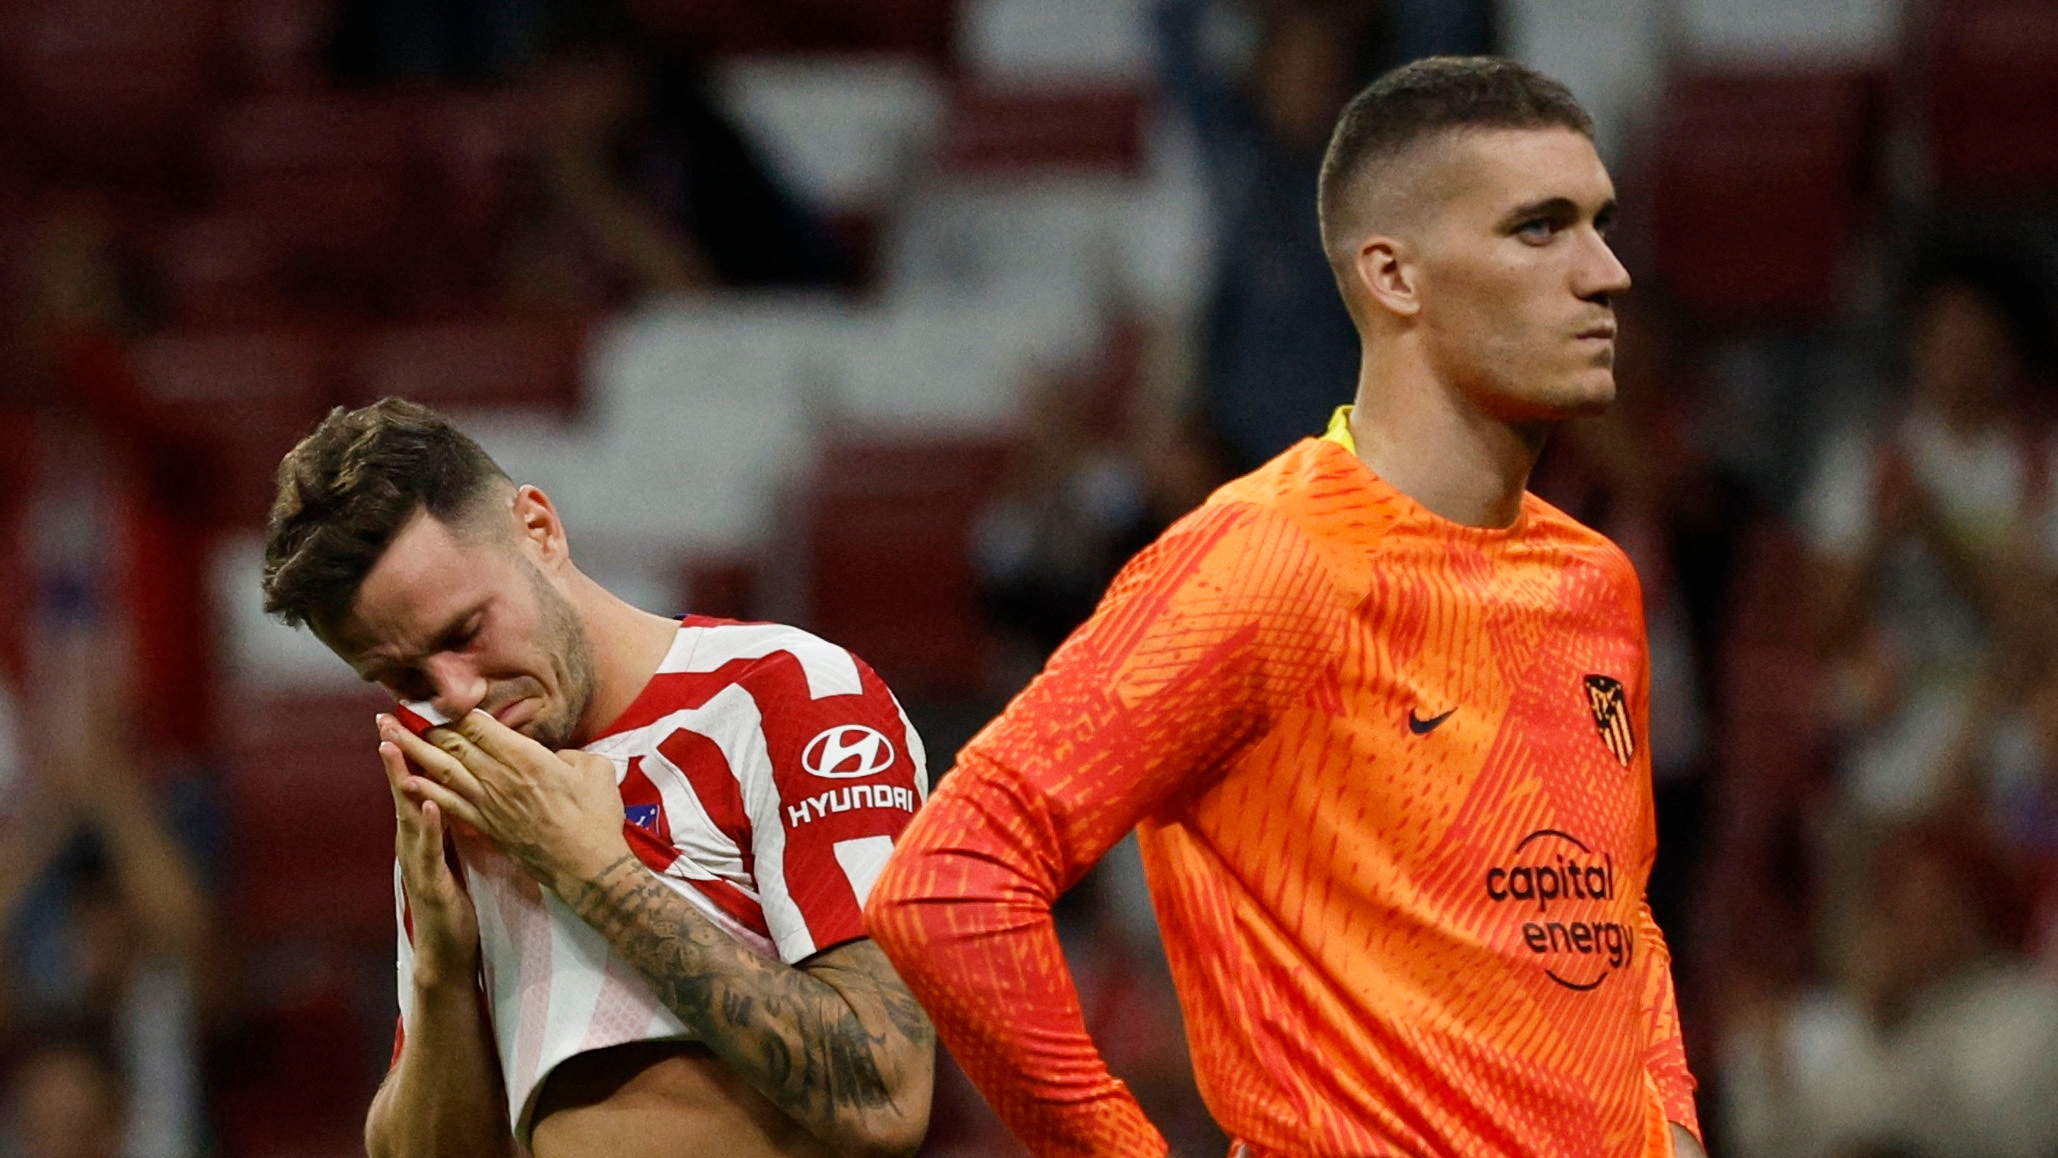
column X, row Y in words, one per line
column 1389, row 778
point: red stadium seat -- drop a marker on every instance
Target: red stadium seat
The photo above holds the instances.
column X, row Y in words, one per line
column 889, row 573
column 234, row 400
column 503, row 363
column 224, row 268
column 311, row 819
column 772, row 26
column 1990, row 70
column 108, row 86
column 1006, row 131
column 293, row 1073
column 1759, row 180
column 331, row 176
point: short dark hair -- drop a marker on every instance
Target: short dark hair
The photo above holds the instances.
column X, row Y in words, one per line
column 1437, row 94
column 349, row 488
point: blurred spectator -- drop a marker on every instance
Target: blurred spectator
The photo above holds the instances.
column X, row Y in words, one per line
column 1937, row 1039
column 1084, row 494
column 66, row 1099
column 580, row 235
column 105, row 912
column 1279, row 349
column 2002, row 773
column 1919, row 531
column 641, row 184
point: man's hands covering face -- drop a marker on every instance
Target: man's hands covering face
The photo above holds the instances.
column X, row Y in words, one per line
column 558, row 813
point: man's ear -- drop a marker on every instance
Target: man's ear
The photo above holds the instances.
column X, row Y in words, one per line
column 537, row 524
column 1386, row 273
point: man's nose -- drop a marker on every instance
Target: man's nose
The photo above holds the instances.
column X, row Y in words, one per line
column 1601, row 274
column 455, row 683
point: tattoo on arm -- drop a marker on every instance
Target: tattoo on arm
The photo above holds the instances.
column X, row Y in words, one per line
column 794, row 1036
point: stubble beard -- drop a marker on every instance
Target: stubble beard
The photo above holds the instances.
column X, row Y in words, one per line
column 564, row 642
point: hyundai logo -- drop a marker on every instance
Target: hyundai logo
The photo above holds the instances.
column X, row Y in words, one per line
column 848, row 751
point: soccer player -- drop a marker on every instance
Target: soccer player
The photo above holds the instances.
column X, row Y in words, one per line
column 632, row 858
column 1375, row 713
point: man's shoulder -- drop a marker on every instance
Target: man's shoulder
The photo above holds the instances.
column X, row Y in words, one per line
column 1563, row 536
column 1312, row 505
column 772, row 663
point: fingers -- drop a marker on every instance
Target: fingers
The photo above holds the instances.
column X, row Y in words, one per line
column 496, row 739
column 450, row 803
column 410, row 791
column 446, row 769
column 418, row 828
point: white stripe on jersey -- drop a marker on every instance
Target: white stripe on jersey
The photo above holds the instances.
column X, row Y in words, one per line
column 863, row 860
column 830, row 670
column 917, row 753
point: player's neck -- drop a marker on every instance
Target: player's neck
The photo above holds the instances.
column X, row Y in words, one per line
column 1425, row 441
column 628, row 644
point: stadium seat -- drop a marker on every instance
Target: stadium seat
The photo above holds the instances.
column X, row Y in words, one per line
column 231, row 402
column 1005, row 130
column 311, row 819
column 332, row 176
column 1759, row 180
column 889, row 571
column 775, row 26
column 471, row 365
column 296, row 1065
column 107, row 87
column 722, row 586
column 223, row 268
column 1987, row 81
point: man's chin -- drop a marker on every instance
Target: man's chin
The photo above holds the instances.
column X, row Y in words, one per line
column 1586, row 397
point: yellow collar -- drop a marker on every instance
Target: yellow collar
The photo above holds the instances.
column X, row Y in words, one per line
column 1339, row 431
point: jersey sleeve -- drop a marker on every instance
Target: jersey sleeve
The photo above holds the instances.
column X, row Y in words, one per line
column 1179, row 669
column 1664, row 1046
column 843, row 775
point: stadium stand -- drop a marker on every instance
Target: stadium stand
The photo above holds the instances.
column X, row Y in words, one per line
column 1760, row 181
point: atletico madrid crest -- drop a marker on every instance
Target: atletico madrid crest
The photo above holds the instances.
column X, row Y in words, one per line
column 1611, row 716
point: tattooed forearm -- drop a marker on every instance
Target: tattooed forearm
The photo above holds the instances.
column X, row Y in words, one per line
column 798, row 1037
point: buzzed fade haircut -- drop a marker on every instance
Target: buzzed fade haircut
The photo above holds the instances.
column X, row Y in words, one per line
column 348, row 489
column 1438, row 94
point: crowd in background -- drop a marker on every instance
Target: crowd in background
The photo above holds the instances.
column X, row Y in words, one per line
column 1846, row 526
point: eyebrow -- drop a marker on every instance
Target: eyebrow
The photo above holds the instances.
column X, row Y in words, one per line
column 1554, row 208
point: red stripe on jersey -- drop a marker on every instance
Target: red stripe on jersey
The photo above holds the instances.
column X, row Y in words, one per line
column 653, row 846
column 701, row 761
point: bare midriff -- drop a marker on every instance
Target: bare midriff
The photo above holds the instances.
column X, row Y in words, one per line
column 660, row 1100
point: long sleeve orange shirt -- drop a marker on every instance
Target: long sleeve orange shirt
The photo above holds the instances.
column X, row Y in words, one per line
column 1389, row 779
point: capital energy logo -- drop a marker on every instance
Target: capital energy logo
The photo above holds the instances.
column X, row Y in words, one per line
column 1563, row 891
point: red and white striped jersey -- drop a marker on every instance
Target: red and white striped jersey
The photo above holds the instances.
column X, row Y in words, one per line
column 764, row 776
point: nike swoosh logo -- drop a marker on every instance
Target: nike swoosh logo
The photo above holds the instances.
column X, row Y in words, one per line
column 1422, row 727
